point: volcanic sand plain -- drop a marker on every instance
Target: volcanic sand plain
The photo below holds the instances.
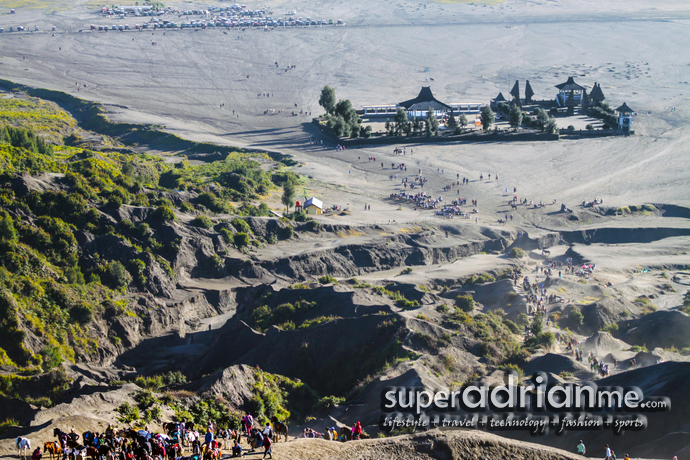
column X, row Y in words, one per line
column 180, row 82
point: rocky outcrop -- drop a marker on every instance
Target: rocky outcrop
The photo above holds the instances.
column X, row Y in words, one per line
column 663, row 329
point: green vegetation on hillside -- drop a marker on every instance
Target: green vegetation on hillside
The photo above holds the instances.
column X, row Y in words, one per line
column 57, row 198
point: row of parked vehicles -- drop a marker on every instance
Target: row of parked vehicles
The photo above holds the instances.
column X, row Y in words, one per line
column 220, row 22
column 23, row 29
column 125, row 26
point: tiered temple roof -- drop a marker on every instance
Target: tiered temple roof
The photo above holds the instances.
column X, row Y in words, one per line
column 424, row 101
column 570, row 85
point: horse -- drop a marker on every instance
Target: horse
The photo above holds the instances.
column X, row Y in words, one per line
column 189, row 437
column 96, row 453
column 129, row 433
column 280, row 428
column 61, row 435
column 73, row 445
column 53, row 448
column 169, row 427
column 88, row 438
column 23, row 444
column 115, row 443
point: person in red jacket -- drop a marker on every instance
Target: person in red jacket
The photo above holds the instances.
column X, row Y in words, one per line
column 357, row 430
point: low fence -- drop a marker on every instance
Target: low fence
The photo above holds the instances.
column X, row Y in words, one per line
column 585, row 133
column 420, row 220
column 460, row 138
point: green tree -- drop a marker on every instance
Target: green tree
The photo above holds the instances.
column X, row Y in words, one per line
column 202, row 221
column 431, row 123
column 344, row 109
column 7, row 232
column 288, row 194
column 327, row 99
column 241, row 240
column 542, row 119
column 536, row 327
column 517, row 253
column 116, row 275
column 462, row 121
column 487, row 116
column 338, row 125
column 465, row 303
column 452, row 122
column 574, row 317
column 516, row 116
column 408, row 128
column 164, row 214
column 349, row 115
column 416, row 126
column 400, row 121
column 503, row 107
column 551, row 126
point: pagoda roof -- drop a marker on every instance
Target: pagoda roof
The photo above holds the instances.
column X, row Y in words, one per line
column 515, row 92
column 597, row 94
column 424, row 101
column 499, row 98
column 570, row 85
column 624, row 109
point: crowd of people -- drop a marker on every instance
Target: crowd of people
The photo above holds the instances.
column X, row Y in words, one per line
column 179, row 438
column 420, row 199
column 598, row 366
column 608, row 455
column 130, row 444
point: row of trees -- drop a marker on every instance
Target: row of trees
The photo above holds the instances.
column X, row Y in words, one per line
column 342, row 116
column 603, row 111
column 516, row 118
column 403, row 126
column 539, row 119
column 344, row 121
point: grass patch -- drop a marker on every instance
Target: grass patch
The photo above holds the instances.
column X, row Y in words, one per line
column 31, row 113
column 645, row 305
column 265, row 316
column 480, row 278
column 319, row 320
column 396, row 296
column 611, row 328
column 349, row 233
column 328, row 279
column 300, row 286
column 411, row 230
column 7, row 424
